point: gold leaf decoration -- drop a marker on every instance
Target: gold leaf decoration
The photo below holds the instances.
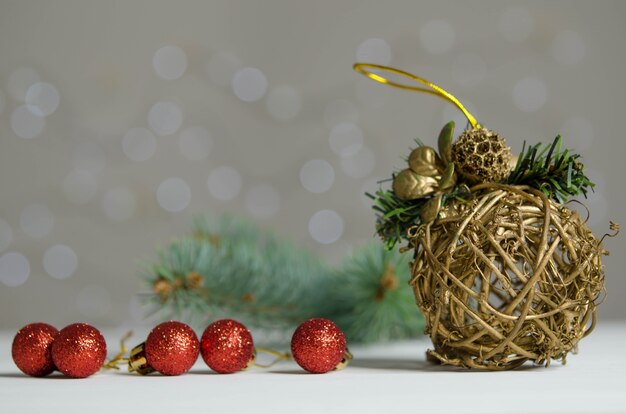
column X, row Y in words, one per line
column 445, row 142
column 408, row 185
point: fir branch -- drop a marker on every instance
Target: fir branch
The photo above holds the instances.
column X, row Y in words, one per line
column 557, row 173
column 396, row 216
column 247, row 274
column 230, row 268
column 371, row 300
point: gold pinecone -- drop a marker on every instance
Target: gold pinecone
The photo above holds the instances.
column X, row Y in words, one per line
column 481, row 155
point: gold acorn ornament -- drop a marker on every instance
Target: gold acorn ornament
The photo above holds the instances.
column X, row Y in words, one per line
column 503, row 271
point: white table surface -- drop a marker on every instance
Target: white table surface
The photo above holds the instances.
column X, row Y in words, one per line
column 385, row 378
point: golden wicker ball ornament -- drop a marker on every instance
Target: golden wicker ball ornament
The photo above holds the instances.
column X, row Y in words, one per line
column 503, row 271
column 505, row 278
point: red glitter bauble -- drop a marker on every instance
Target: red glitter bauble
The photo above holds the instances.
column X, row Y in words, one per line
column 79, row 350
column 172, row 348
column 32, row 349
column 318, row 345
column 227, row 346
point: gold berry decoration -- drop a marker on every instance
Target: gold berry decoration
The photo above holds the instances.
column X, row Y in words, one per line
column 481, row 155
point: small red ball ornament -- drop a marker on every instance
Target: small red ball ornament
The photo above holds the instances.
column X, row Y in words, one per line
column 79, row 350
column 171, row 348
column 319, row 346
column 32, row 349
column 227, row 346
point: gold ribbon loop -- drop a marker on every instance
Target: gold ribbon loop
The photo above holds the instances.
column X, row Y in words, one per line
column 366, row 69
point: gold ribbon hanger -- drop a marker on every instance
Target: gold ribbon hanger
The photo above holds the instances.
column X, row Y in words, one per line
column 366, row 69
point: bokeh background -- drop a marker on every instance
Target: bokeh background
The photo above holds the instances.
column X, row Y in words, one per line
column 121, row 120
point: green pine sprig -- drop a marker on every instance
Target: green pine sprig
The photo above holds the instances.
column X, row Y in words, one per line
column 557, row 173
column 395, row 216
column 229, row 268
column 371, row 300
column 245, row 273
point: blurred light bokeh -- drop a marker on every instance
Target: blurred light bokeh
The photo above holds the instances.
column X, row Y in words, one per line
column 120, row 120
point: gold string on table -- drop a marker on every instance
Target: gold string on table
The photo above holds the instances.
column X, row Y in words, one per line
column 120, row 357
column 503, row 271
column 278, row 356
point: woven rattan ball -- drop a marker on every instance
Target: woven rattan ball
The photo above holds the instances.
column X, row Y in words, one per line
column 505, row 278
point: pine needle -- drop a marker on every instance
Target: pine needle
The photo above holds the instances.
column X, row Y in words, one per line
column 557, row 173
column 250, row 275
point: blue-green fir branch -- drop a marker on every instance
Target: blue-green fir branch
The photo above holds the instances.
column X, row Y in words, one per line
column 231, row 268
